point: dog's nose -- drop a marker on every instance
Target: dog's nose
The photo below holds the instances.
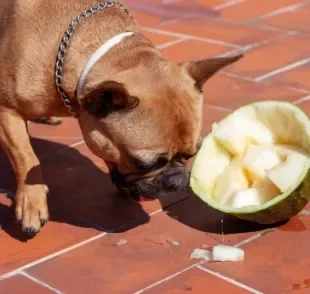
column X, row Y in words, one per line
column 175, row 180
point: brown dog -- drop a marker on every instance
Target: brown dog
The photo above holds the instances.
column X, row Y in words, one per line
column 137, row 111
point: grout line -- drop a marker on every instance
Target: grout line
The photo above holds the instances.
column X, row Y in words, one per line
column 283, row 69
column 56, row 138
column 257, row 44
column 170, row 1
column 227, row 4
column 41, row 158
column 233, row 75
column 60, row 252
column 218, row 107
column 277, row 11
column 244, row 78
column 254, row 237
column 304, row 213
column 304, row 99
column 156, row 211
column 268, row 41
column 298, row 89
column 40, row 282
column 229, row 280
column 76, row 144
column 168, row 278
column 190, row 37
column 48, row 257
column 198, row 265
column 171, row 43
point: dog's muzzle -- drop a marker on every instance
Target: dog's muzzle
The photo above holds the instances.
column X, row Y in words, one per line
column 171, row 180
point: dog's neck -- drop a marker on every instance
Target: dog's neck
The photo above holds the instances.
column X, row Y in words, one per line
column 99, row 53
column 91, row 34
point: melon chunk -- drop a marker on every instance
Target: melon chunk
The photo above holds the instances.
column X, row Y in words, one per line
column 266, row 189
column 237, row 131
column 230, row 181
column 243, row 198
column 258, row 159
column 260, row 193
column 284, row 150
column 287, row 173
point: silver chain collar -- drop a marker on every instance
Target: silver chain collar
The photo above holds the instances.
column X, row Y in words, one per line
column 64, row 45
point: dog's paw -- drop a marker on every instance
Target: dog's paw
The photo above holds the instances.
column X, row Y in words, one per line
column 31, row 208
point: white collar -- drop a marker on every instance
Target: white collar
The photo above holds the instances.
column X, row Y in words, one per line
column 101, row 51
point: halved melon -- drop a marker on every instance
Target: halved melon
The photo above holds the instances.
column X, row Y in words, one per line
column 255, row 163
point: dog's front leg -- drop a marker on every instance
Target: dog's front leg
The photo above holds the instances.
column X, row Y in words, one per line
column 31, row 203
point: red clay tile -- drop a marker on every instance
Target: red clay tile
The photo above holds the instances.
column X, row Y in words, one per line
column 82, row 151
column 171, row 10
column 147, row 257
column 231, row 93
column 272, row 56
column 17, row 250
column 249, row 9
column 305, row 105
column 212, row 2
column 21, row 285
column 158, row 39
column 225, row 32
column 47, row 139
column 192, row 50
column 277, row 261
column 56, row 133
column 211, row 114
column 297, row 20
column 145, row 19
column 297, row 77
column 196, row 281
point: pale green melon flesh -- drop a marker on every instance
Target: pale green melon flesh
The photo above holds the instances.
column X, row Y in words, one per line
column 290, row 126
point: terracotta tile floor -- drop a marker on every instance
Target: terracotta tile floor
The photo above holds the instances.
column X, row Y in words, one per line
column 81, row 250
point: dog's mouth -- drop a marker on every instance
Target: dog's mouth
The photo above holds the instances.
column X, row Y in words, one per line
column 151, row 188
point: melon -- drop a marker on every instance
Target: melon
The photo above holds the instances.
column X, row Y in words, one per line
column 255, row 163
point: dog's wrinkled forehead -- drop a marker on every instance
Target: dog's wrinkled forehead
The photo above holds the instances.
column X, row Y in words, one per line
column 166, row 120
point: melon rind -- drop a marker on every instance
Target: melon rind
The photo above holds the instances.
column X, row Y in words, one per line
column 279, row 209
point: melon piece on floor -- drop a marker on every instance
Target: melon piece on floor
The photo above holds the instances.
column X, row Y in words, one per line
column 285, row 195
column 227, row 253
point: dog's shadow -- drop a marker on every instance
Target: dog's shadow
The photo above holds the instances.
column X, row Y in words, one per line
column 82, row 194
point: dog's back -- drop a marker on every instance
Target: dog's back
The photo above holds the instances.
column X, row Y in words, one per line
column 30, row 34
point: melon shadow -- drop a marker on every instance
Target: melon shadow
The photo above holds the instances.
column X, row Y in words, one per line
column 195, row 213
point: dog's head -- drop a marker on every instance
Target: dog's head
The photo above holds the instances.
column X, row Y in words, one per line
column 146, row 122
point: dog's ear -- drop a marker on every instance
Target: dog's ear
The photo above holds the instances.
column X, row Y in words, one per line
column 202, row 70
column 108, row 97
